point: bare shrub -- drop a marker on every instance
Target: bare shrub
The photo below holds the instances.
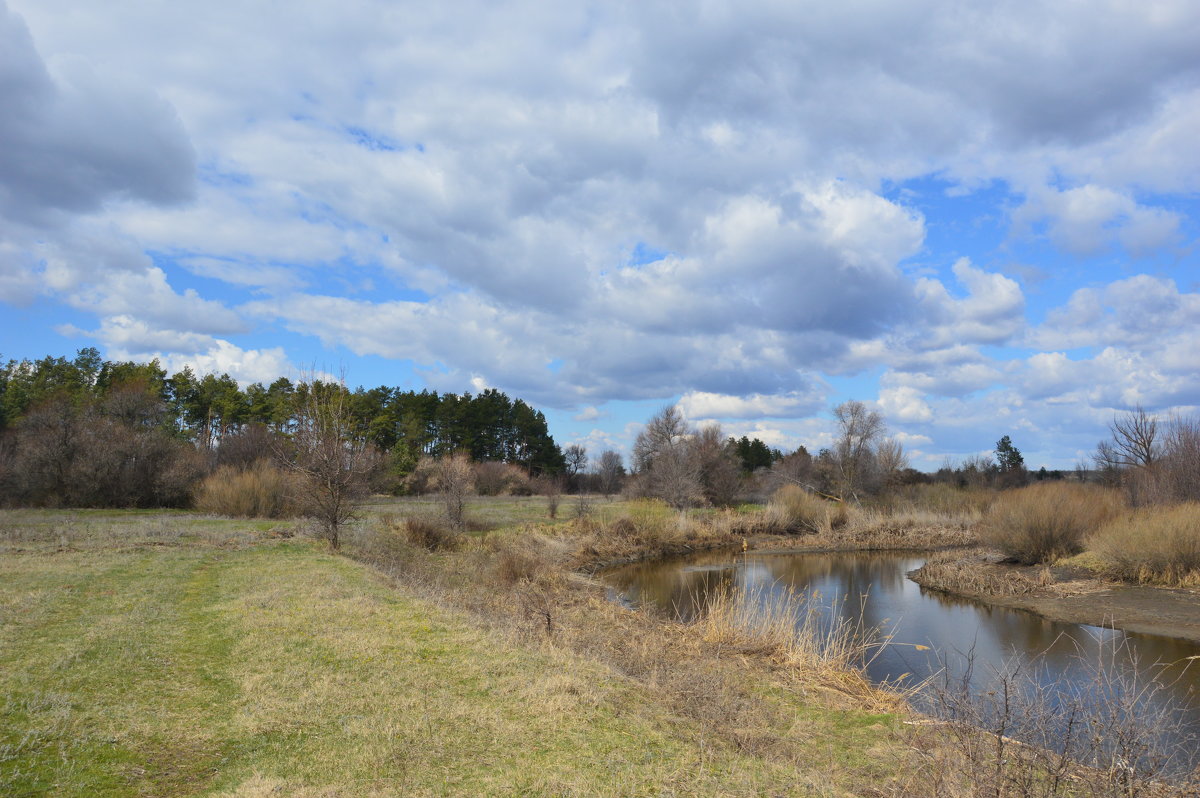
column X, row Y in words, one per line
column 582, row 505
column 1047, row 520
column 493, row 478
column 551, row 487
column 430, row 535
column 455, row 480
column 1112, row 733
column 245, row 447
column 1153, row 544
column 794, row 509
column 260, row 491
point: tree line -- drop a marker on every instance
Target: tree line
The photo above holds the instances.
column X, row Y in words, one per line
column 90, row 432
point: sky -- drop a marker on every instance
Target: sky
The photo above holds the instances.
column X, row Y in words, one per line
column 981, row 219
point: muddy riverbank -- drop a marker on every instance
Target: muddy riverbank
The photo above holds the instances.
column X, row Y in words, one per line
column 1067, row 593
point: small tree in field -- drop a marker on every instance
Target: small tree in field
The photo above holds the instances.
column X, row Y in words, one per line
column 455, row 480
column 330, row 462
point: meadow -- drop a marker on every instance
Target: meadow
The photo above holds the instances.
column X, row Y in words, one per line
column 174, row 654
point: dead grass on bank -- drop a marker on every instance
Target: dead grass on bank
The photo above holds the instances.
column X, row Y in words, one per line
column 1155, row 545
column 972, row 575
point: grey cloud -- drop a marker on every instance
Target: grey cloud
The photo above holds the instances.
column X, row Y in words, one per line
column 70, row 143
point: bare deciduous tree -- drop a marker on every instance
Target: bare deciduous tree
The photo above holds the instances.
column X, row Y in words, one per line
column 1135, row 438
column 661, row 457
column 611, row 471
column 890, row 460
column 332, row 465
column 663, row 432
column 717, row 465
column 1181, row 458
column 858, row 430
column 576, row 457
column 675, row 477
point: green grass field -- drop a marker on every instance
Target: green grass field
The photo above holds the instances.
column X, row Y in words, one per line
column 168, row 654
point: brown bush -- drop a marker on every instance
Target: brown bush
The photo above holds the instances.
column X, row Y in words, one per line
column 794, row 509
column 517, row 561
column 1153, row 544
column 431, row 535
column 501, row 479
column 1048, row 520
column 261, row 491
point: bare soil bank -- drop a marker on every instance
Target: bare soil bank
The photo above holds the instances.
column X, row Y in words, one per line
column 1066, row 593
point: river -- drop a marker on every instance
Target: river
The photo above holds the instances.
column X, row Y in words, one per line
column 952, row 642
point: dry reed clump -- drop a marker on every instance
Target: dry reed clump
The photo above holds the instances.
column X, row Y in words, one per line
column 1153, row 544
column 430, row 534
column 951, row 572
column 941, row 499
column 260, row 491
column 784, row 625
column 650, row 529
column 526, row 558
column 794, row 509
column 1043, row 522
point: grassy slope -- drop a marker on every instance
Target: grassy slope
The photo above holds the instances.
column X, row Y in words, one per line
column 278, row 668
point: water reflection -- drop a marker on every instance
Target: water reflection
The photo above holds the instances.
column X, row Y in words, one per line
column 964, row 639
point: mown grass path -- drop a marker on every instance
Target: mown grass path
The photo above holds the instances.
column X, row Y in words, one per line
column 278, row 668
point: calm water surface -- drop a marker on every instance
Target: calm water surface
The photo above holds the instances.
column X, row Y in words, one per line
column 961, row 636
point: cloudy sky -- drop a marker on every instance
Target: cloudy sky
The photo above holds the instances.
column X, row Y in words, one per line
column 982, row 218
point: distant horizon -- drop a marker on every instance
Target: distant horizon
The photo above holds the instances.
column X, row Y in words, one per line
column 979, row 222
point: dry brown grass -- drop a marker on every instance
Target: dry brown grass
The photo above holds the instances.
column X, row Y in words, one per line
column 785, row 627
column 260, row 491
column 1048, row 520
column 1153, row 544
column 430, row 534
column 952, row 572
column 793, row 509
column 946, row 501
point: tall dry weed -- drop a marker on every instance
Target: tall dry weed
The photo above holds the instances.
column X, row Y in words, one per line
column 1153, row 544
column 1048, row 520
column 938, row 499
column 830, row 646
column 794, row 509
column 260, row 491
